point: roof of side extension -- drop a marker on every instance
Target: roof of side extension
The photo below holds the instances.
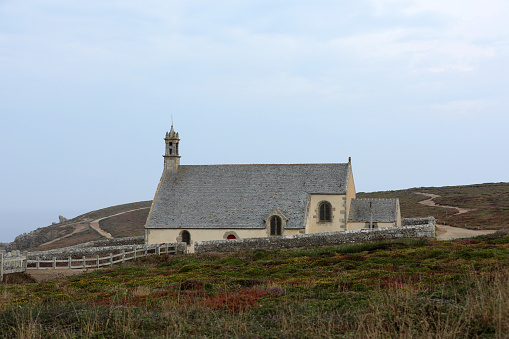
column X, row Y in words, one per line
column 241, row 196
column 384, row 210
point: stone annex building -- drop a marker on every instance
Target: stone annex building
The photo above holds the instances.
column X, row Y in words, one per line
column 217, row 202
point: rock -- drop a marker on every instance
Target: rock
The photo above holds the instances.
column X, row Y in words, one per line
column 62, row 219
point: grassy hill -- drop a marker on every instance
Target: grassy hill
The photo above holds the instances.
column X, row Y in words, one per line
column 121, row 221
column 490, row 204
column 404, row 288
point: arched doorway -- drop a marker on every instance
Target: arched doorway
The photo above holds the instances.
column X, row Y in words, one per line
column 231, row 237
column 186, row 237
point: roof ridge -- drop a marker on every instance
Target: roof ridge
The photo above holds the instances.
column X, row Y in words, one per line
column 375, row 199
column 324, row 163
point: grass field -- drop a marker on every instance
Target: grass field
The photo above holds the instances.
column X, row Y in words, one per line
column 407, row 288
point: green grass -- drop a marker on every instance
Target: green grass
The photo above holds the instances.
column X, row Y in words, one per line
column 405, row 288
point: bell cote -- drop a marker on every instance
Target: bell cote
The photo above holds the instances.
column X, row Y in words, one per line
column 171, row 155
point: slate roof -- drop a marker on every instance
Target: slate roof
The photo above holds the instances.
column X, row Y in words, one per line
column 384, row 210
column 241, row 196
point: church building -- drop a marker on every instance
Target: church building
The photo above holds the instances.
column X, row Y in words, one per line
column 215, row 202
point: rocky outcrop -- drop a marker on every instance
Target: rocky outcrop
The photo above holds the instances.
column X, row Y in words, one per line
column 37, row 237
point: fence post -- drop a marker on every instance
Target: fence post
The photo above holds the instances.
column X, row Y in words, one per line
column 146, row 250
column 37, row 264
column 1, row 266
column 25, row 262
column 97, row 258
column 69, row 262
column 158, row 250
column 123, row 256
column 111, row 259
column 54, row 263
column 166, row 248
column 84, row 262
column 134, row 250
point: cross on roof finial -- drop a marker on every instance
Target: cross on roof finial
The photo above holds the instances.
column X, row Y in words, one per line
column 172, row 120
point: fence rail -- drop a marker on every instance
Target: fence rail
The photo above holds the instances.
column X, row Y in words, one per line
column 13, row 262
column 97, row 261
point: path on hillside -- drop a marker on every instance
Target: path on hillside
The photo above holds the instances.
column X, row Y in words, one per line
column 444, row 232
column 430, row 202
column 95, row 224
column 78, row 227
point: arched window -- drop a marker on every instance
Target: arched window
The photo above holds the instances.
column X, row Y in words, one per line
column 325, row 211
column 231, row 237
column 186, row 237
column 275, row 225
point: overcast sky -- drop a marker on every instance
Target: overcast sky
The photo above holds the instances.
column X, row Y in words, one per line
column 416, row 92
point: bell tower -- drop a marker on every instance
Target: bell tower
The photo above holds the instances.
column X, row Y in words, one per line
column 171, row 156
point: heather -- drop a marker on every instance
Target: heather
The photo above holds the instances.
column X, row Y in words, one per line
column 407, row 288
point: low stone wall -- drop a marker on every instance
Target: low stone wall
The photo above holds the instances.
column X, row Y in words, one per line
column 416, row 221
column 77, row 252
column 424, row 229
column 114, row 242
column 114, row 245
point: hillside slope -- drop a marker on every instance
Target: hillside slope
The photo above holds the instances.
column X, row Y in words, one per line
column 482, row 206
column 119, row 221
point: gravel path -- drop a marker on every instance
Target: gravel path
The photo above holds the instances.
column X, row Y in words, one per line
column 95, row 224
column 430, row 202
column 444, row 232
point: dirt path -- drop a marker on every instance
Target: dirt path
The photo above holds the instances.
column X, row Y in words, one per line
column 56, row 275
column 96, row 227
column 444, row 232
column 79, row 227
column 95, row 224
column 430, row 202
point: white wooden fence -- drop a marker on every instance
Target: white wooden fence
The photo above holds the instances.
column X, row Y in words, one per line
column 15, row 262
column 97, row 261
column 12, row 262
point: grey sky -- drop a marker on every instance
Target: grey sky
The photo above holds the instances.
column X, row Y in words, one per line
column 416, row 92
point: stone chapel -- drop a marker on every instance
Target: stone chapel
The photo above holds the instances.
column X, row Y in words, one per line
column 216, row 202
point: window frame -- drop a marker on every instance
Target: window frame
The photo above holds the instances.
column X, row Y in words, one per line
column 325, row 207
column 276, row 226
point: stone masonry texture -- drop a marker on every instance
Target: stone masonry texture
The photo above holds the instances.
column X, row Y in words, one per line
column 241, row 196
column 421, row 228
